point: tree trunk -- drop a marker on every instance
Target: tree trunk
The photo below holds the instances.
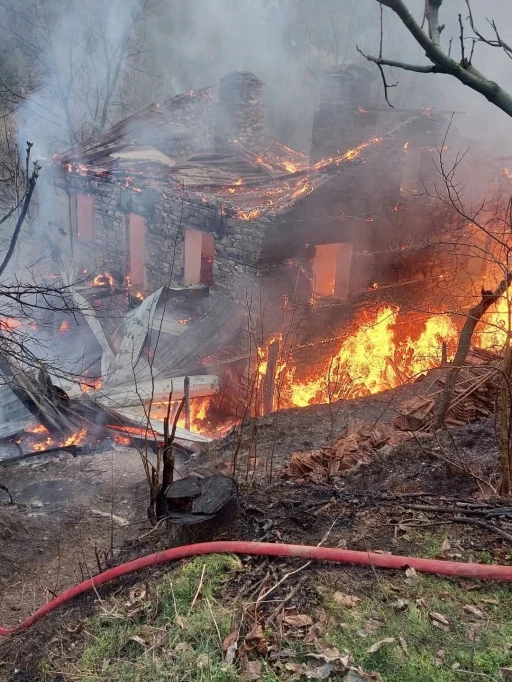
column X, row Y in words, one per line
column 466, row 335
column 504, row 406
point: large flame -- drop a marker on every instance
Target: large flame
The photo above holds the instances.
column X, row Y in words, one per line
column 373, row 358
column 493, row 331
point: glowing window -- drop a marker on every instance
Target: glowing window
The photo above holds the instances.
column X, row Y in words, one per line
column 85, row 217
column 136, row 265
column 198, row 257
column 331, row 268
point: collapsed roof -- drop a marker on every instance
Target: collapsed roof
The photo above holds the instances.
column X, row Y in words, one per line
column 178, row 144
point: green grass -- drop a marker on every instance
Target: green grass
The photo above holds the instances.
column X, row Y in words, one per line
column 159, row 638
column 480, row 646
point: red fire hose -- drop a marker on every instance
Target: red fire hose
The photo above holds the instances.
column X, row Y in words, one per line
column 344, row 556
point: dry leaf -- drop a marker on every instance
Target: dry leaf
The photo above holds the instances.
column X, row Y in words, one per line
column 403, row 644
column 411, row 576
column 319, row 672
column 490, row 601
column 506, row 673
column 421, row 603
column 299, row 620
column 255, row 639
column 439, row 657
column 139, row 640
column 330, row 653
column 314, row 632
column 372, row 626
column 231, row 653
column 446, row 546
column 251, row 671
column 232, row 637
column 137, row 593
column 75, row 629
column 468, row 608
column 375, row 647
column 295, row 668
column 439, row 618
column 348, row 600
column 400, row 604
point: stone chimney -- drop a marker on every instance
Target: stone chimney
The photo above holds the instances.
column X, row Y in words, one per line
column 344, row 118
column 240, row 114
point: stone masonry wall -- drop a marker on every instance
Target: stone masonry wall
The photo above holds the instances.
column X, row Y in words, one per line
column 167, row 214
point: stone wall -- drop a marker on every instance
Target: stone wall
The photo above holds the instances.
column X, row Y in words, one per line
column 167, row 215
column 240, row 113
column 343, row 119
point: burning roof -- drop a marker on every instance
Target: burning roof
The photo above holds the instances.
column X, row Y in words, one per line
column 176, row 146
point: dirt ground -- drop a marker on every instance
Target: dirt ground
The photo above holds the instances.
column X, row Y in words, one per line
column 69, row 511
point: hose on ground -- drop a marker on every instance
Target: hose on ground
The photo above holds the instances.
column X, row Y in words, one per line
column 344, row 556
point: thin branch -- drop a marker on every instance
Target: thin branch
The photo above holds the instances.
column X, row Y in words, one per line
column 441, row 62
column 31, row 185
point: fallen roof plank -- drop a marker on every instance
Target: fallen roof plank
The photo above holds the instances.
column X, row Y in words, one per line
column 141, row 392
column 140, row 420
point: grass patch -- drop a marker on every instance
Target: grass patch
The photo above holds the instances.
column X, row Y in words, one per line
column 421, row 651
column 159, row 637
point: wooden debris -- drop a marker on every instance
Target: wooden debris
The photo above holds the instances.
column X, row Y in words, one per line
column 473, row 397
column 199, row 507
column 352, row 449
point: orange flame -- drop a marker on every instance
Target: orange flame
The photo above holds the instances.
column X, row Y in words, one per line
column 103, row 280
column 36, row 429
column 76, row 438
column 88, row 385
column 373, row 358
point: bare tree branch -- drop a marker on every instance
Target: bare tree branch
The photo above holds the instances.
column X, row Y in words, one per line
column 31, row 185
column 464, row 71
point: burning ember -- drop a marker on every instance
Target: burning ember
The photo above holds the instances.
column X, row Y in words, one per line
column 76, row 438
column 104, row 280
column 89, row 385
column 40, row 439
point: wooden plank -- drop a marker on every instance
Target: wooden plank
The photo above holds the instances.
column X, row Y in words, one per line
column 138, row 418
column 143, row 392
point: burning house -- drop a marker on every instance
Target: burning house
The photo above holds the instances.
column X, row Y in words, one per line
column 295, row 278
